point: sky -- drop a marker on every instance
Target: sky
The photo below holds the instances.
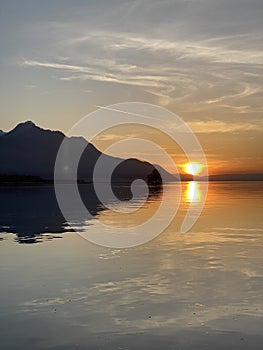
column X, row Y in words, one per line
column 201, row 59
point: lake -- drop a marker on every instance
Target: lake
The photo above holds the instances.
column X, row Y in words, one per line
column 196, row 290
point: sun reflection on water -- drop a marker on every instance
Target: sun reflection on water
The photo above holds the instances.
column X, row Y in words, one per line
column 192, row 192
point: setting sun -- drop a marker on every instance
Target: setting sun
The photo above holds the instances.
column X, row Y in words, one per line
column 193, row 168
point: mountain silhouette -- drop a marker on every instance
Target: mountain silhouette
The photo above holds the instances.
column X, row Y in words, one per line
column 30, row 150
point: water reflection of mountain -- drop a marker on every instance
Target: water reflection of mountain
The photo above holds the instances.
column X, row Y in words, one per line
column 32, row 212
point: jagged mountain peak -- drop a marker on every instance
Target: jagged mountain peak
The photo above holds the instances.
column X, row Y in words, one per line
column 23, row 127
column 27, row 124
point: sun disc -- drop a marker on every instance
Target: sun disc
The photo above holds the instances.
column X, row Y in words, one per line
column 193, row 168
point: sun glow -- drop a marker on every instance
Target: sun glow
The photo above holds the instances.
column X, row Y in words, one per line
column 193, row 168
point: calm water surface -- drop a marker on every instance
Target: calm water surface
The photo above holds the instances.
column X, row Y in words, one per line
column 199, row 290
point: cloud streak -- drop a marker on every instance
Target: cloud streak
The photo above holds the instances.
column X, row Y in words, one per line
column 217, row 126
column 214, row 49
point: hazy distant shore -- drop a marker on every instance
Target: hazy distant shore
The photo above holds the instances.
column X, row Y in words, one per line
column 16, row 179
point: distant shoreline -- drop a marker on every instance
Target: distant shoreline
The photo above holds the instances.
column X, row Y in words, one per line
column 30, row 180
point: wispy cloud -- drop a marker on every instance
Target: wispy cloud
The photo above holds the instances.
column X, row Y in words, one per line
column 217, row 126
column 214, row 49
column 245, row 92
column 169, row 70
column 115, row 75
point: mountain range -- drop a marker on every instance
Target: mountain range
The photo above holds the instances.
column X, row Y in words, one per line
column 30, row 150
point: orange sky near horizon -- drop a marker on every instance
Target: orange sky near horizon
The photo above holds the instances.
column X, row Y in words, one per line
column 225, row 153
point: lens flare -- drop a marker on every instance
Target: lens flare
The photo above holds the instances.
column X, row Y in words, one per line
column 129, row 233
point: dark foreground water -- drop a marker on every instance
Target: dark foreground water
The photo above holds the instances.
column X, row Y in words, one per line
column 199, row 290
